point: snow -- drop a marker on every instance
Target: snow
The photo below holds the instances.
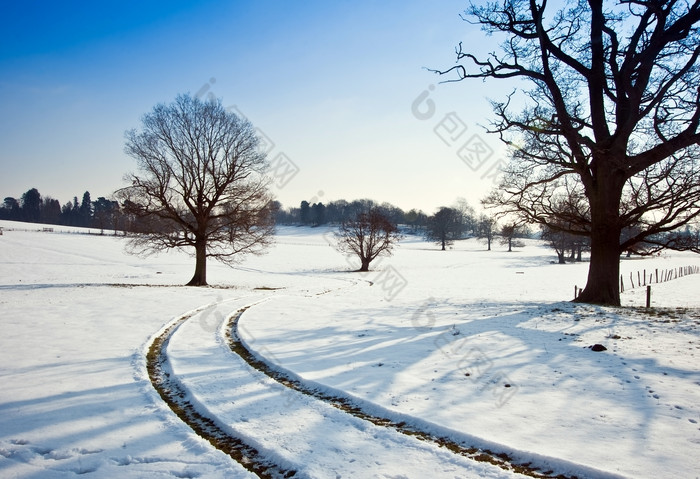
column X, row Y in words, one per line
column 481, row 347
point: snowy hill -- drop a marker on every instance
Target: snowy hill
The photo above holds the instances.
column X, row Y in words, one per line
column 480, row 347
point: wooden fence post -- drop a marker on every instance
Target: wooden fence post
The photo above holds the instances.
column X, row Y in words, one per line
column 648, row 296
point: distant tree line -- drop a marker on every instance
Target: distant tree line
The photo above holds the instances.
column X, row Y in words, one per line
column 31, row 207
column 444, row 227
column 339, row 211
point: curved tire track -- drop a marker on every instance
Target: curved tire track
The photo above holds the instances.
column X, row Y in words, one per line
column 502, row 460
column 174, row 393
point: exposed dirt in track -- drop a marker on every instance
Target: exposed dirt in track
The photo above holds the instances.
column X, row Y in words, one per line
column 501, row 460
column 173, row 393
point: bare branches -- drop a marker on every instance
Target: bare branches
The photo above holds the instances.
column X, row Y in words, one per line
column 368, row 236
column 614, row 89
column 600, row 71
column 201, row 183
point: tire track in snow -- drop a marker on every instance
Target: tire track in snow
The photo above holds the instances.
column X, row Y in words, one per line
column 291, row 434
column 502, row 460
column 175, row 395
column 202, row 408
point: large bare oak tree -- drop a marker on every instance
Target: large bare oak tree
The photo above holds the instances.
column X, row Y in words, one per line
column 201, row 185
column 611, row 115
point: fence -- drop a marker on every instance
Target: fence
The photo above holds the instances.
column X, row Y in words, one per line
column 657, row 276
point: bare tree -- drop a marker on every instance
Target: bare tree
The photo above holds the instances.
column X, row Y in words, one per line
column 563, row 243
column 416, row 219
column 511, row 233
column 444, row 227
column 368, row 236
column 614, row 110
column 486, row 229
column 201, row 185
column 560, row 241
column 563, row 215
column 467, row 217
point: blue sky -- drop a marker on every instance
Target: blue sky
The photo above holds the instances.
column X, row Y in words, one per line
column 335, row 86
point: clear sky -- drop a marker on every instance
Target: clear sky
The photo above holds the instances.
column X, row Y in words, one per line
column 335, row 86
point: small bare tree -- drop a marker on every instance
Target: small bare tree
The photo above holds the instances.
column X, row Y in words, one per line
column 486, row 229
column 444, row 227
column 510, row 235
column 201, row 185
column 368, row 236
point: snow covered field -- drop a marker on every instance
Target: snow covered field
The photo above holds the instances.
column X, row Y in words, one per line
column 481, row 347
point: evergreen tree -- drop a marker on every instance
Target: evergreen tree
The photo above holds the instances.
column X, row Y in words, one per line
column 67, row 213
column 318, row 214
column 50, row 211
column 31, row 206
column 305, row 213
column 85, row 211
column 105, row 213
column 10, row 209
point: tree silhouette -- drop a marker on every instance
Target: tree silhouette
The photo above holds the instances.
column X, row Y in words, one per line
column 305, row 212
column 85, row 211
column 31, row 206
column 486, row 229
column 11, row 209
column 50, row 211
column 318, row 214
column 613, row 110
column 106, row 214
column 444, row 227
column 510, row 234
column 368, row 236
column 201, row 186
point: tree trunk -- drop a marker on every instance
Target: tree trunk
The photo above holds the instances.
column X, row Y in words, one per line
column 200, row 270
column 603, row 285
column 562, row 260
column 365, row 264
column 443, row 244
